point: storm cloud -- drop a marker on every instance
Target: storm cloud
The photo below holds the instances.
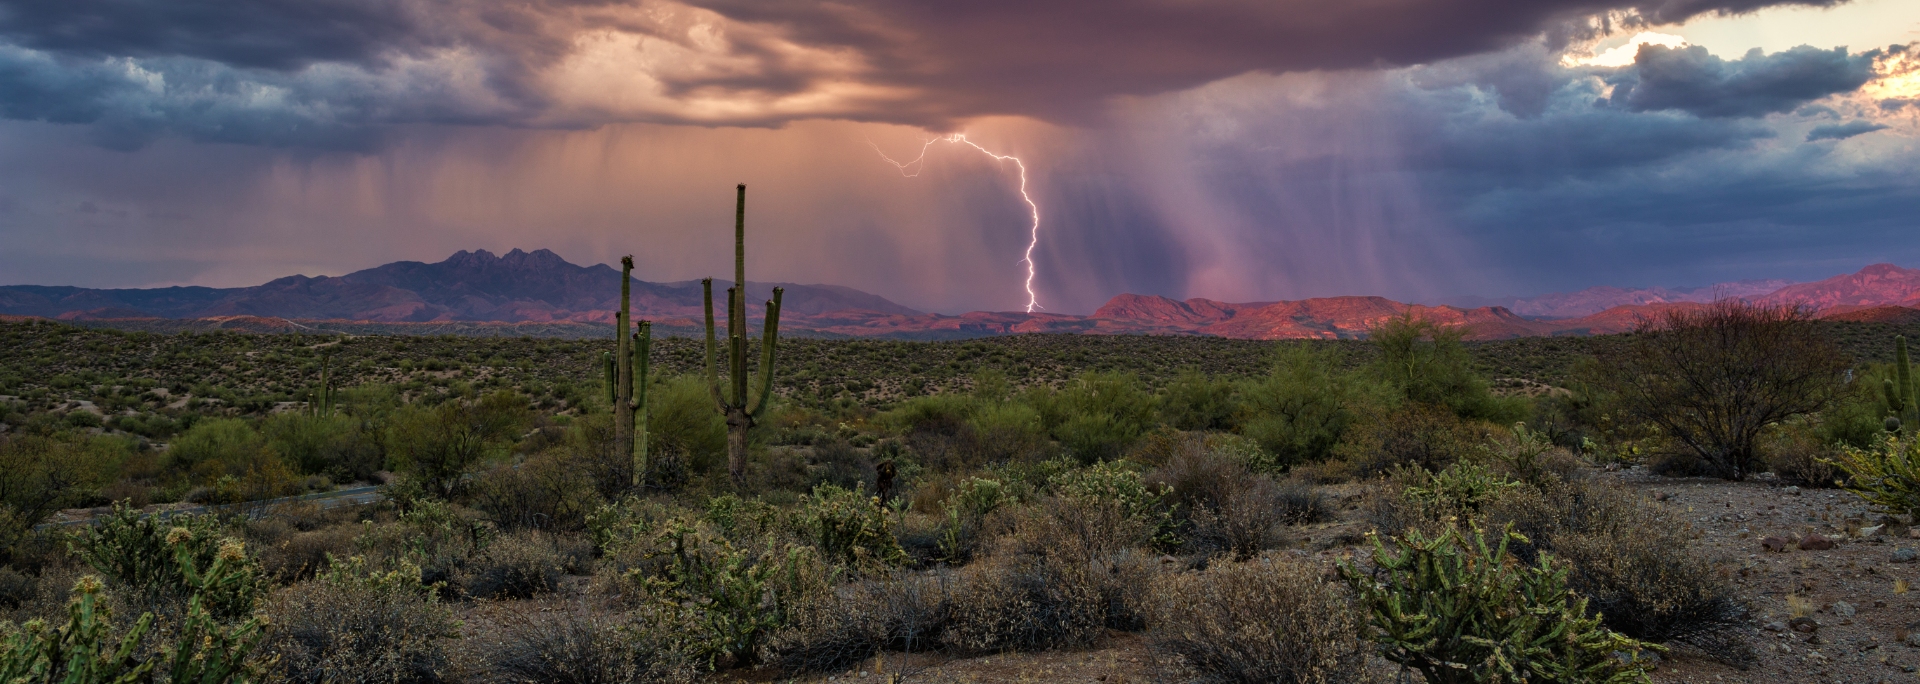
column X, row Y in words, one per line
column 328, row 73
column 1690, row 79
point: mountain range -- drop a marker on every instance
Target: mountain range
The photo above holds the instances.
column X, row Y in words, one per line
column 539, row 292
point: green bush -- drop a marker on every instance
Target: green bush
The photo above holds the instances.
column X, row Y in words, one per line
column 1117, row 484
column 1197, row 401
column 682, row 428
column 1300, row 410
column 334, row 445
column 39, row 475
column 221, row 441
column 1100, row 415
column 1417, row 435
column 1426, row 363
column 1460, row 611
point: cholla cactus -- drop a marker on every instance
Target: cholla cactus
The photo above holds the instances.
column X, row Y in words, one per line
column 1462, row 612
column 1887, row 475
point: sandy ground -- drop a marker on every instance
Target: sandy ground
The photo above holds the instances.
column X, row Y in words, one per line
column 1863, row 619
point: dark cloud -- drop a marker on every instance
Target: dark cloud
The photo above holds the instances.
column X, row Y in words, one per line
column 1692, row 80
column 329, row 73
column 270, row 34
column 1843, row 131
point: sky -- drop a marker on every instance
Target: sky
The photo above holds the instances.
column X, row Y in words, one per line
column 1239, row 150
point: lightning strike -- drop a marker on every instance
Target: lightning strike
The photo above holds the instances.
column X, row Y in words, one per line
column 1033, row 233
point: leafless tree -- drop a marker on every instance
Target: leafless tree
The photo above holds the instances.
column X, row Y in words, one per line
column 1713, row 378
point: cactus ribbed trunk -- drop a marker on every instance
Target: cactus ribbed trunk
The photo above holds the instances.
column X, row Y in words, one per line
column 740, row 409
column 623, row 352
column 1905, row 406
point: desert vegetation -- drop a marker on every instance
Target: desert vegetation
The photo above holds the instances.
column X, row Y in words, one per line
column 182, row 507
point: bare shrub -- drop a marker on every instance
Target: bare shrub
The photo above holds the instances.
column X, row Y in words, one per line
column 1069, row 569
column 519, row 565
column 579, row 645
column 1632, row 559
column 1265, row 620
column 1420, row 435
column 1795, row 454
column 548, row 491
column 1713, row 378
column 1231, row 509
column 356, row 625
column 906, row 613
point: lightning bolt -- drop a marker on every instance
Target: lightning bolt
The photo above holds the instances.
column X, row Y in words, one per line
column 1033, row 232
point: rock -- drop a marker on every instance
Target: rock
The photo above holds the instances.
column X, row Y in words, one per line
column 1804, row 624
column 1914, row 639
column 1791, row 490
column 1661, row 496
column 1903, row 555
column 1843, row 609
column 1866, row 532
column 1778, row 544
column 1775, row 626
column 1815, row 541
column 1913, row 532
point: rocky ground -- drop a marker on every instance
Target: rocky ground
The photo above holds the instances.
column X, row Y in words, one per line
column 1845, row 613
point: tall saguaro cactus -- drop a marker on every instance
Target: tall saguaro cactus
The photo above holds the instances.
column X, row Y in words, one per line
column 741, row 410
column 627, row 370
column 1899, row 388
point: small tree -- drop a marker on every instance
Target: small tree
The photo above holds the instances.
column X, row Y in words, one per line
column 1713, row 378
column 1427, row 363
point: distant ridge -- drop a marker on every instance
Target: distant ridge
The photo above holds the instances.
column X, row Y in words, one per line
column 539, row 293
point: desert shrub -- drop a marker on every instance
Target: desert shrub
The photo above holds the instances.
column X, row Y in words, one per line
column 723, row 599
column 581, row 646
column 1197, row 401
column 1633, row 561
column 908, row 612
column 435, row 446
column 1264, row 620
column 40, row 475
column 1887, row 476
column 1099, row 415
column 1462, row 487
column 683, row 430
column 850, row 527
column 1116, row 485
column 1458, row 610
column 1092, row 547
column 517, row 565
column 1713, row 379
column 1416, row 435
column 234, row 459
column 1796, row 454
column 1006, row 431
column 354, row 623
column 336, row 445
column 1426, row 363
column 1303, row 407
column 222, row 440
column 1530, row 456
column 140, row 557
column 1026, row 603
column 964, row 516
column 549, row 490
column 431, row 537
column 1228, row 507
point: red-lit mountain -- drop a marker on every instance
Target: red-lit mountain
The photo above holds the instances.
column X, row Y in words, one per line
column 540, row 293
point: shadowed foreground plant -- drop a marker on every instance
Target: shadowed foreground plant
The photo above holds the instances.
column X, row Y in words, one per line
column 1461, row 612
column 1887, row 476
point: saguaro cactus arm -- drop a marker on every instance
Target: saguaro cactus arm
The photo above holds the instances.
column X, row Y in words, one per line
column 769, row 341
column 713, row 374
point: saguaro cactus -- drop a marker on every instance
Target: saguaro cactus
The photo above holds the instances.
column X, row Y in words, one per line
column 1900, row 390
column 741, row 411
column 627, row 369
column 320, row 401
